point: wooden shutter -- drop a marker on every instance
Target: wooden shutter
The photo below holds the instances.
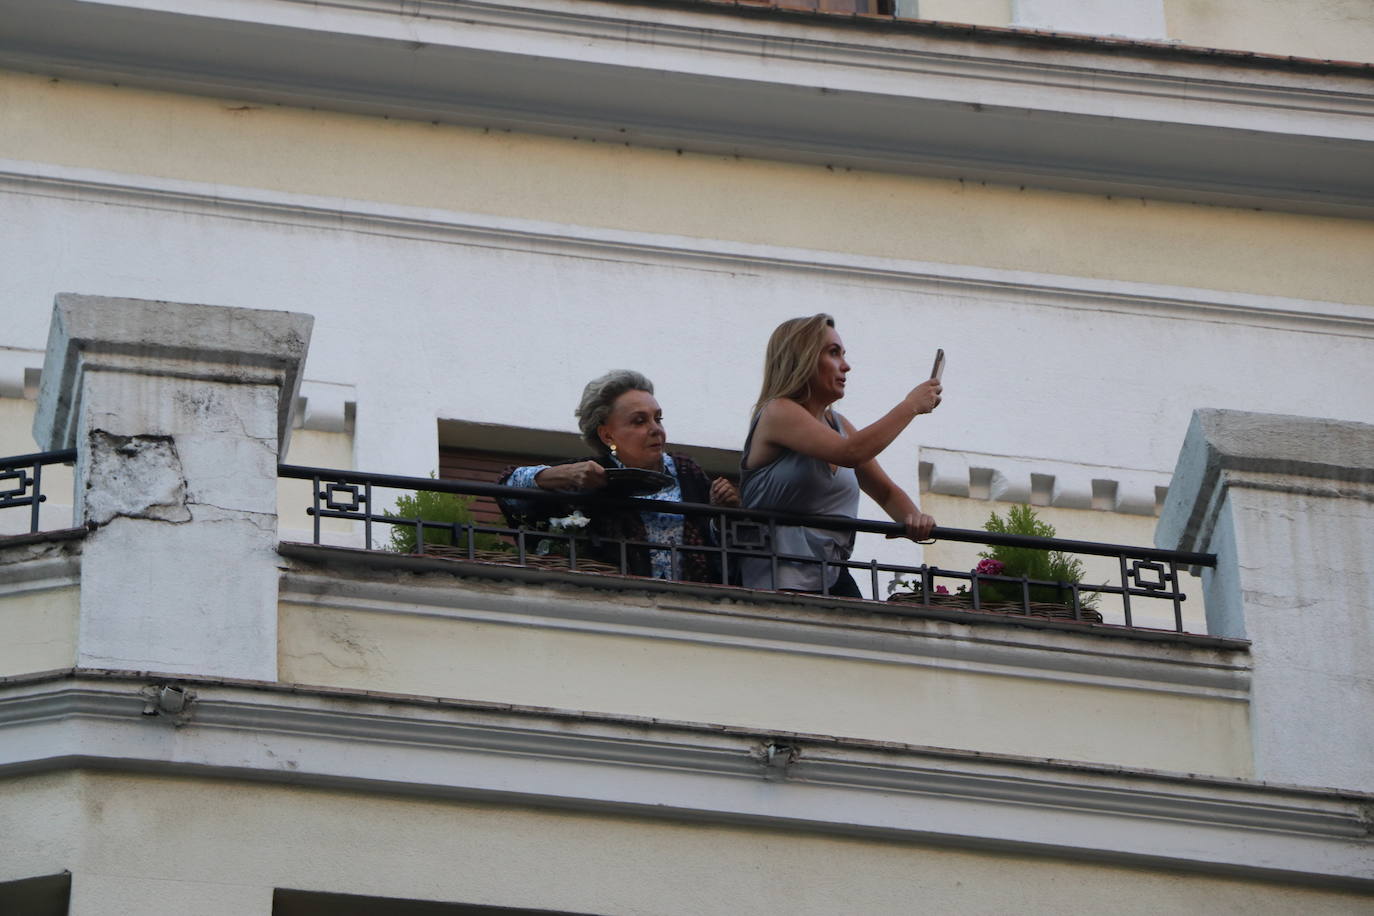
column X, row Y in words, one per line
column 486, row 467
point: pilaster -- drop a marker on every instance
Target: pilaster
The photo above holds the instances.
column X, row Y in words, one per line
column 180, row 413
column 1287, row 504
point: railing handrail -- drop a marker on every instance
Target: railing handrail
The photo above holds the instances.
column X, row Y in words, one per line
column 58, row 456
column 832, row 522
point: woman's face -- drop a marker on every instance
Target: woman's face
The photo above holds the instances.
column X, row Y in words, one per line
column 827, row 385
column 636, row 427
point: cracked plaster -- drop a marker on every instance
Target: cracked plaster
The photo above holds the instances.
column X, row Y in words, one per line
column 138, row 477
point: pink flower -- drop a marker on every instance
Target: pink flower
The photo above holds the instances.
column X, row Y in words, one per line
column 941, row 590
column 989, row 567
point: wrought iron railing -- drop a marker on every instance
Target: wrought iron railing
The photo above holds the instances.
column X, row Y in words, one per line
column 21, row 483
column 1145, row 574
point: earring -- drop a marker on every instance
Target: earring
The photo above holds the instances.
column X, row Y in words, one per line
column 613, row 449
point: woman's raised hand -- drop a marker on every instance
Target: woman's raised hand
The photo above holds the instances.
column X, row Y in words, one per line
column 925, row 397
column 723, row 493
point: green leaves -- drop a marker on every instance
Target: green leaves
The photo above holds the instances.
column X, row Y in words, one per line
column 437, row 509
column 1044, row 565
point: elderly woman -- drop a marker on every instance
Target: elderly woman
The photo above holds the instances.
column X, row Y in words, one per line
column 802, row 456
column 620, row 418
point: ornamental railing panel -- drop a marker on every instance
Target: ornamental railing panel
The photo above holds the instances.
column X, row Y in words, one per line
column 1148, row 587
column 21, row 490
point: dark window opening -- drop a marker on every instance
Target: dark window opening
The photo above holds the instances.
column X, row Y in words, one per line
column 315, row 903
column 48, row 895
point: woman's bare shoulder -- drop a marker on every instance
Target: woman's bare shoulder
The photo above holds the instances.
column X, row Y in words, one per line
column 783, row 409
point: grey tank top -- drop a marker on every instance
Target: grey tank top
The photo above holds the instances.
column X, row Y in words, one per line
column 793, row 482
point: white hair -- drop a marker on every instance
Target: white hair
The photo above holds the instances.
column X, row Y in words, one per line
column 597, row 398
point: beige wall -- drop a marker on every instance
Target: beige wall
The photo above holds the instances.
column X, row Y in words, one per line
column 38, row 629
column 311, row 448
column 1324, row 29
column 973, row 12
column 16, row 426
column 38, row 626
column 414, row 650
column 604, row 185
column 167, row 847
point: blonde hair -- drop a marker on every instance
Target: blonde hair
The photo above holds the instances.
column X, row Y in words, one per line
column 790, row 360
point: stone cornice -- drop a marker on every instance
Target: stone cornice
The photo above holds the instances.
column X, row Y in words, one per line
column 370, row 742
column 780, row 87
column 41, row 562
column 481, row 230
column 1040, row 481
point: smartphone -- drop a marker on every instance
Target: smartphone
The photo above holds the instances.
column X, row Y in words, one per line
column 938, row 369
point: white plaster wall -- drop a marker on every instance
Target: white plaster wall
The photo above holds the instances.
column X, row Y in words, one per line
column 144, row 845
column 418, row 651
column 426, row 329
column 1324, row 29
column 488, row 276
column 1308, row 591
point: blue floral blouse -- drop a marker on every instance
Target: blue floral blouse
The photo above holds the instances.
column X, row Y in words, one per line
column 659, row 527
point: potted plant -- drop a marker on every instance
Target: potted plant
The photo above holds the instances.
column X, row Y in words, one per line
column 1028, row 562
column 1000, row 563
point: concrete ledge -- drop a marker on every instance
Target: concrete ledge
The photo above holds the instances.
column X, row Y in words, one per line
column 183, row 339
column 624, row 765
column 843, row 613
column 1275, row 451
column 1028, row 109
column 433, row 627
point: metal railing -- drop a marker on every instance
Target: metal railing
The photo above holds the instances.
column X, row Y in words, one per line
column 1145, row 574
column 21, row 482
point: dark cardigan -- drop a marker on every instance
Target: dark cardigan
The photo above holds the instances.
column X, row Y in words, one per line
column 606, row 529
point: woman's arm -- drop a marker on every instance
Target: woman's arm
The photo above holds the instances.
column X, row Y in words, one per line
column 884, row 491
column 786, row 424
column 571, row 476
column 579, row 475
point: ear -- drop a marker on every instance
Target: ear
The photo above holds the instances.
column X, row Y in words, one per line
column 603, row 433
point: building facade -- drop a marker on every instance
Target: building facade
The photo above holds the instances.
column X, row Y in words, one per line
column 1108, row 215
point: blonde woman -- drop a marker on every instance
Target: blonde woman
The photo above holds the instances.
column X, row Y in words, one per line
column 802, row 456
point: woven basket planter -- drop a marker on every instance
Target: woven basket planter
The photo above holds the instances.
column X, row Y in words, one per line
column 532, row 560
column 1048, row 609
